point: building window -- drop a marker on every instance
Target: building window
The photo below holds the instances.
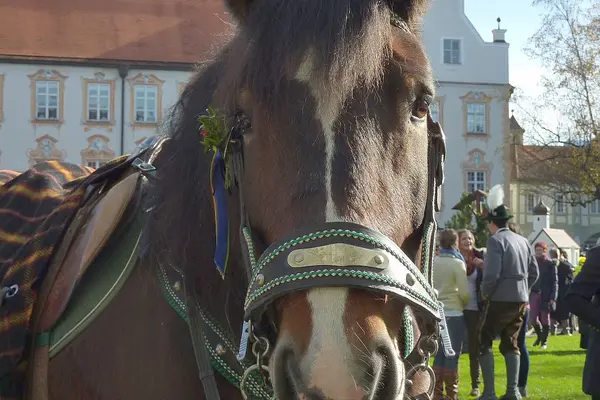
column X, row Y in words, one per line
column 145, row 104
column 530, row 202
column 476, row 180
column 560, row 204
column 476, row 108
column 47, row 97
column 45, row 150
column 46, row 100
column 98, row 104
column 98, row 100
column 476, row 118
column 434, row 109
column 595, row 207
column 97, row 153
column 95, row 164
column 146, row 94
column 452, row 51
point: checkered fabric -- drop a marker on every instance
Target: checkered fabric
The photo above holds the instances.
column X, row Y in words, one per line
column 36, row 208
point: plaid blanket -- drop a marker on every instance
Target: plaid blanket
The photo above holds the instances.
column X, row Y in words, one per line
column 35, row 208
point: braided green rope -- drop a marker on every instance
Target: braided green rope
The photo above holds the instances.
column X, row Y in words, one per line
column 255, row 383
column 409, row 334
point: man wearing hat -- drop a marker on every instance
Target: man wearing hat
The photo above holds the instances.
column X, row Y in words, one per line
column 510, row 270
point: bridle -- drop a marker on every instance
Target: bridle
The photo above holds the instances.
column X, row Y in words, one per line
column 329, row 254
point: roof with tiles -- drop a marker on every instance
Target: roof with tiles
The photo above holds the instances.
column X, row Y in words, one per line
column 162, row 31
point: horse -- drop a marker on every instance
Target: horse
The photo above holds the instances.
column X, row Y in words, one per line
column 323, row 152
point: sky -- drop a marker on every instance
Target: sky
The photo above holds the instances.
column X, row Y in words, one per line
column 521, row 20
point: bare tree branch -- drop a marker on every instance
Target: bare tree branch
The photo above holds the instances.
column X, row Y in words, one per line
column 561, row 155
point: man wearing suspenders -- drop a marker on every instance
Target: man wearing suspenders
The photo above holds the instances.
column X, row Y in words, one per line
column 510, row 270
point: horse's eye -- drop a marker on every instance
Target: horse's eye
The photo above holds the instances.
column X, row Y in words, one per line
column 421, row 108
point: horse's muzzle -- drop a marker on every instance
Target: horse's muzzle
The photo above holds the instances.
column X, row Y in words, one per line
column 382, row 379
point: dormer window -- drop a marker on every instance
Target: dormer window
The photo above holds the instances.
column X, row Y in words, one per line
column 452, row 51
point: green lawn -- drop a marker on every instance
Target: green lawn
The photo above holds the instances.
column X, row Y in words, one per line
column 555, row 373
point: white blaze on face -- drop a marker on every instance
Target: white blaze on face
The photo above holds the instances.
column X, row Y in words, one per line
column 327, row 360
column 328, row 110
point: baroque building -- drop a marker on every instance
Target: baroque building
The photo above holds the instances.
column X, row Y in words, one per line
column 84, row 83
column 472, row 101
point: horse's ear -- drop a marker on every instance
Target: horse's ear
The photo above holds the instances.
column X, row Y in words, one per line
column 239, row 8
column 411, row 11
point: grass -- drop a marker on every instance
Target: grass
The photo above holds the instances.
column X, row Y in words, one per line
column 554, row 374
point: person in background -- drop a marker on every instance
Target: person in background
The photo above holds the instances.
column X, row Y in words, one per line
column 472, row 311
column 583, row 300
column 524, row 359
column 510, row 270
column 450, row 280
column 565, row 275
column 543, row 295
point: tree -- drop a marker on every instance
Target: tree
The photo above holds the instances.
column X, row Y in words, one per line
column 563, row 124
column 468, row 216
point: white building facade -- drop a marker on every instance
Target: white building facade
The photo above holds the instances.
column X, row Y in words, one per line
column 83, row 114
column 472, row 101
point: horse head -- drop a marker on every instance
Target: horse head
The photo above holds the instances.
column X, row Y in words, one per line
column 337, row 173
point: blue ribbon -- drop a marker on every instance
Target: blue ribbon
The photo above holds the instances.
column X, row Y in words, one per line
column 219, row 196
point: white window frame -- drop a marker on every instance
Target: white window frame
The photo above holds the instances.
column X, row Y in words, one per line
column 474, row 183
column 94, row 163
column 143, row 108
column 98, row 108
column 530, row 202
column 453, row 60
column 47, row 97
column 434, row 110
column 561, row 205
column 594, row 207
column 476, row 118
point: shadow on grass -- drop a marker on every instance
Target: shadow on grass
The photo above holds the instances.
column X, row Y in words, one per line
column 556, row 352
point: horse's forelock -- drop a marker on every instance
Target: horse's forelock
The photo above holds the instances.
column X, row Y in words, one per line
column 348, row 42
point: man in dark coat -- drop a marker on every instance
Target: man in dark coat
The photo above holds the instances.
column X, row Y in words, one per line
column 583, row 299
column 510, row 270
column 566, row 274
column 543, row 294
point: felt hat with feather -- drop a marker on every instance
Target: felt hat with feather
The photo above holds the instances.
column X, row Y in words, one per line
column 496, row 210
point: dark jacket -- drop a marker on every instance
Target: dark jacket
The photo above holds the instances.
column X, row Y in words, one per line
column 481, row 255
column 565, row 278
column 547, row 283
column 583, row 299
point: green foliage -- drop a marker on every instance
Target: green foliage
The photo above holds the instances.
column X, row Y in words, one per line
column 579, row 265
column 467, row 217
column 214, row 133
column 212, row 128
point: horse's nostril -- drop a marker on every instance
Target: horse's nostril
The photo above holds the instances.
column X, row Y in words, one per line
column 385, row 374
column 286, row 375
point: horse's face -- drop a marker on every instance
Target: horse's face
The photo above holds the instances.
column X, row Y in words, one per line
column 339, row 132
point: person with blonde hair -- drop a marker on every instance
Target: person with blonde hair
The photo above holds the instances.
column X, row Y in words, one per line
column 472, row 311
column 450, row 280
